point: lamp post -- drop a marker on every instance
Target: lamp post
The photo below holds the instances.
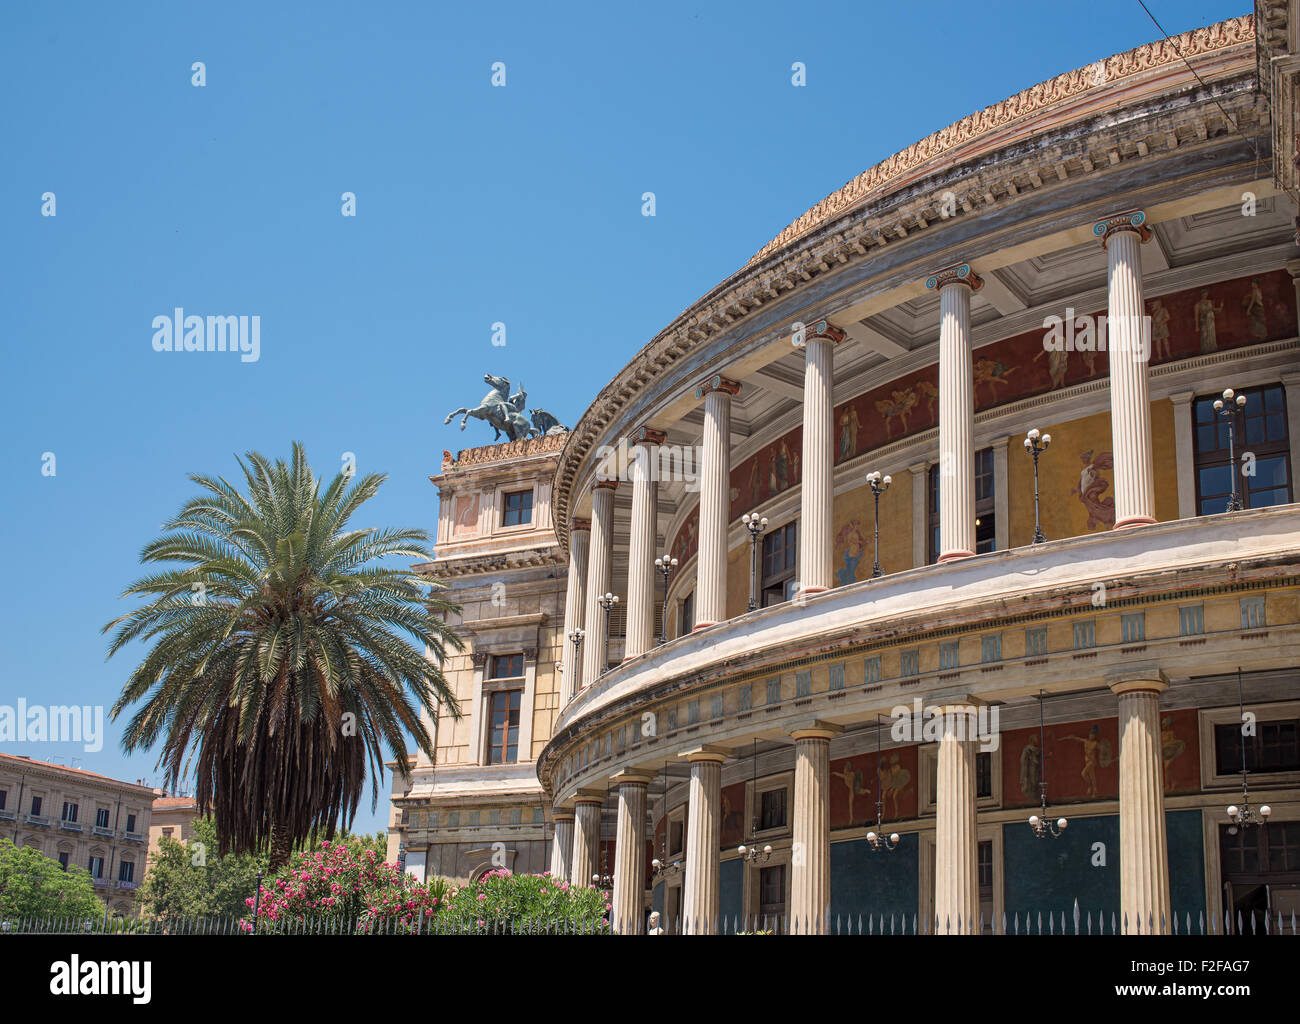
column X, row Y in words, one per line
column 665, row 563
column 1243, row 816
column 1035, row 445
column 1041, row 824
column 576, row 636
column 876, row 837
column 879, row 485
column 1228, row 406
column 607, row 601
column 755, row 524
column 257, row 900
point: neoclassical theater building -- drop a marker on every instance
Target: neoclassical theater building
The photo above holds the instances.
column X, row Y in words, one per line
column 774, row 729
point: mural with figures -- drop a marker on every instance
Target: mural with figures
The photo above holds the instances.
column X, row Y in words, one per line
column 1083, row 760
column 1196, row 321
column 853, row 787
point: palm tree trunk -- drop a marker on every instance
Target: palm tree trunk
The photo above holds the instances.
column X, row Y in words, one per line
column 281, row 847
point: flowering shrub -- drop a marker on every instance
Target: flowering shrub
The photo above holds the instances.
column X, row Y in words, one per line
column 338, row 888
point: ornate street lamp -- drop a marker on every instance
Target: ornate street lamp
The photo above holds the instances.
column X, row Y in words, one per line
column 1244, row 816
column 607, row 601
column 665, row 564
column 755, row 524
column 875, row 837
column 603, row 879
column 1228, row 406
column 1035, row 445
column 660, row 869
column 1041, row 824
column 879, row 485
column 576, row 636
column 754, row 855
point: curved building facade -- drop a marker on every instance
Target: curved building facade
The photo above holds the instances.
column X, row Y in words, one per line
column 802, row 724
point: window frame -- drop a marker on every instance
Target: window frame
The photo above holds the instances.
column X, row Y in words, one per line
column 783, row 576
column 503, row 503
column 1218, row 457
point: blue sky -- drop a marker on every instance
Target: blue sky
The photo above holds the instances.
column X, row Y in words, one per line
column 474, row 204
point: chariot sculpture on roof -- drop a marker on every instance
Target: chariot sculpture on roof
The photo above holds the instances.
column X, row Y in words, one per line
column 504, row 413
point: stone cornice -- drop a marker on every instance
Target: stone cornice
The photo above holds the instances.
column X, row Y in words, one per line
column 1224, row 54
column 468, row 458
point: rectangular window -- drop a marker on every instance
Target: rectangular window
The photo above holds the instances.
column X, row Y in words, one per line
column 803, row 684
column 949, row 655
column 1275, row 747
column 715, row 710
column 911, row 663
column 774, row 690
column 506, row 666
column 1133, row 627
column 983, row 773
column 692, row 712
column 1252, row 616
column 1085, row 635
column 780, row 550
column 64, row 856
column 985, row 503
column 101, row 817
column 69, row 811
column 772, row 809
column 871, row 670
column 676, row 837
column 1036, row 642
column 1191, row 620
column 130, row 822
column 36, row 806
column 1260, row 429
column 771, row 896
column 503, row 724
column 837, row 677
column 688, row 614
column 96, row 867
column 516, row 508
column 991, row 648
column 4, row 797
column 126, row 871
column 744, row 698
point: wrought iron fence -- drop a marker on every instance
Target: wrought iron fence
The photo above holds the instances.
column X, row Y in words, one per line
column 1074, row 922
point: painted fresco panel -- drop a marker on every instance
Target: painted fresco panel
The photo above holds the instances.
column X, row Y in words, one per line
column 853, row 787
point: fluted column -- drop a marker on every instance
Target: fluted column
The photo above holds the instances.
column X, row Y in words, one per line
column 586, row 840
column 703, row 833
column 575, row 605
column 1128, row 345
column 956, row 412
column 817, row 493
column 562, row 844
column 641, row 549
column 810, row 878
column 1143, row 847
column 715, row 502
column 956, row 880
column 599, row 556
column 629, row 853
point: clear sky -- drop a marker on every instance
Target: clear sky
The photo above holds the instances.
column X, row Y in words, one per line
column 475, row 204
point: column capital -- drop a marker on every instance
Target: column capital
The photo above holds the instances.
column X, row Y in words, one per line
column 632, row 777
column 1138, row 681
column 646, row 435
column 1293, row 268
column 579, row 524
column 589, row 797
column 562, row 814
column 708, row 752
column 819, row 330
column 1182, row 397
column 957, row 704
column 718, row 383
column 958, row 273
column 815, row 730
column 919, row 467
column 611, row 484
column 1129, row 220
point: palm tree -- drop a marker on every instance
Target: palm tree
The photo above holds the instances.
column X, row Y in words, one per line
column 282, row 654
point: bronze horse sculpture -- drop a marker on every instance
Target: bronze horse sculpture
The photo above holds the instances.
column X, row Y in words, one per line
column 504, row 412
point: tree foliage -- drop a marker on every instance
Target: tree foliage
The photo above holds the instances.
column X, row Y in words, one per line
column 34, row 886
column 281, row 660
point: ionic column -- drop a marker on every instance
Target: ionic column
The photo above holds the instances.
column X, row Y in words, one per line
column 575, row 605
column 956, row 412
column 1128, row 345
column 715, row 503
column 586, row 840
column 629, row 853
column 956, row 878
column 1143, row 848
column 810, row 879
column 817, row 489
column 703, row 833
column 562, row 844
column 599, row 555
column 641, row 549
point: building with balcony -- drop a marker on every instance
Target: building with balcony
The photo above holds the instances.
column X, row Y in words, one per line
column 1073, row 633
column 79, row 817
column 172, row 818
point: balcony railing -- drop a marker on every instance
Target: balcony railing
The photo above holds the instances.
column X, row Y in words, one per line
column 101, row 830
column 127, row 886
column 8, row 816
column 102, row 883
column 39, row 820
column 133, row 837
column 69, row 826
